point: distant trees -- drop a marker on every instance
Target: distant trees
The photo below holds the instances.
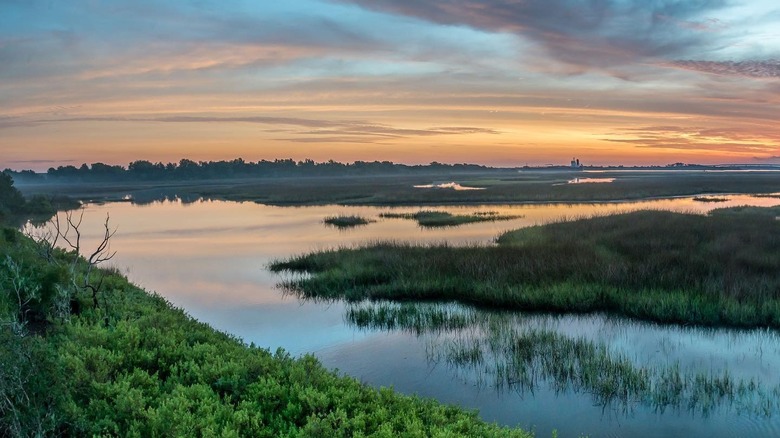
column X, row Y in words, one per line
column 11, row 199
column 187, row 169
column 15, row 208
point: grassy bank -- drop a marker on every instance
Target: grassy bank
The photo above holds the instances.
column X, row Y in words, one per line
column 434, row 219
column 133, row 365
column 668, row 267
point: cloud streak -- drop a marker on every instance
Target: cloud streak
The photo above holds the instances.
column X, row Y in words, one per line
column 751, row 69
column 88, row 79
column 723, row 139
column 586, row 34
column 324, row 130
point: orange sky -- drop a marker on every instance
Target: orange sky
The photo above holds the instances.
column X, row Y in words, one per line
column 503, row 84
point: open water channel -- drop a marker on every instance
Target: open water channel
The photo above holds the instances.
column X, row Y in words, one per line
column 210, row 258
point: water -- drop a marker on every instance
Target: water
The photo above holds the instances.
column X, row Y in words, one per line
column 450, row 185
column 590, row 180
column 210, row 257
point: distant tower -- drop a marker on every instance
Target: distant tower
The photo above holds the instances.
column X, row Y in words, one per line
column 573, row 163
column 578, row 162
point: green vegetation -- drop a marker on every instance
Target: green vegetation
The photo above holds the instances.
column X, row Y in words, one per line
column 717, row 270
column 432, row 219
column 14, row 208
column 710, row 199
column 238, row 168
column 375, row 186
column 85, row 353
column 346, row 221
column 507, row 351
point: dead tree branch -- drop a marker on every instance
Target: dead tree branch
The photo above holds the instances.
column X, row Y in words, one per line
column 67, row 234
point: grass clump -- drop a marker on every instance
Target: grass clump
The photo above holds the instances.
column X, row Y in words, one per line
column 717, row 270
column 432, row 218
column 344, row 221
column 710, row 199
column 511, row 352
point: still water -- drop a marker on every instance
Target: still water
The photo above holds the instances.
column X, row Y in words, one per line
column 210, row 258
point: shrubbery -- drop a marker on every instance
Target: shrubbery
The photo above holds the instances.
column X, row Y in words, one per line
column 136, row 366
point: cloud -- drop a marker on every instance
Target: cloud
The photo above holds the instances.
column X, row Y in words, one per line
column 330, row 139
column 767, row 160
column 587, row 34
column 707, row 25
column 752, row 69
column 322, row 130
column 723, row 139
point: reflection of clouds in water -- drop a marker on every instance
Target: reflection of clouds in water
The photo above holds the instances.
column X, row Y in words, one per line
column 450, row 185
column 590, row 180
column 209, row 258
column 173, row 232
column 702, row 371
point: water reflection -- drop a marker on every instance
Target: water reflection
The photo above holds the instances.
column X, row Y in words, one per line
column 209, row 258
column 590, row 180
column 605, row 358
column 449, row 185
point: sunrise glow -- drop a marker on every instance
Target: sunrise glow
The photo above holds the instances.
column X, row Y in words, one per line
column 496, row 82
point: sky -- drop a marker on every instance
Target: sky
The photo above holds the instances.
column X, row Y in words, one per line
column 495, row 82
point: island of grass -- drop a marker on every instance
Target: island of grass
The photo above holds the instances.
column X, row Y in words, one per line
column 716, row 270
column 713, row 199
column 346, row 221
column 432, row 218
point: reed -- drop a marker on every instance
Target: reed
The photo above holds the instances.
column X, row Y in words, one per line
column 716, row 270
column 510, row 353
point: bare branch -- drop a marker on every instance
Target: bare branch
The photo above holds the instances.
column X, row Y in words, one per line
column 103, row 251
column 68, row 234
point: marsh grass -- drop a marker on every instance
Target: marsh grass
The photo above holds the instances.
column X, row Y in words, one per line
column 501, row 186
column 717, row 270
column 432, row 218
column 410, row 317
column 713, row 199
column 508, row 352
column 345, row 221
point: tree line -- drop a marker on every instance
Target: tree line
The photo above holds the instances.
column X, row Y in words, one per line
column 237, row 168
column 16, row 209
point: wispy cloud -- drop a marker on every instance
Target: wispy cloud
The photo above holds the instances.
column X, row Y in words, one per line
column 768, row 160
column 594, row 34
column 752, row 69
column 725, row 139
column 409, row 77
column 316, row 129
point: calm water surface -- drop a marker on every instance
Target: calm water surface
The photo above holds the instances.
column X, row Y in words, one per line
column 210, row 258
